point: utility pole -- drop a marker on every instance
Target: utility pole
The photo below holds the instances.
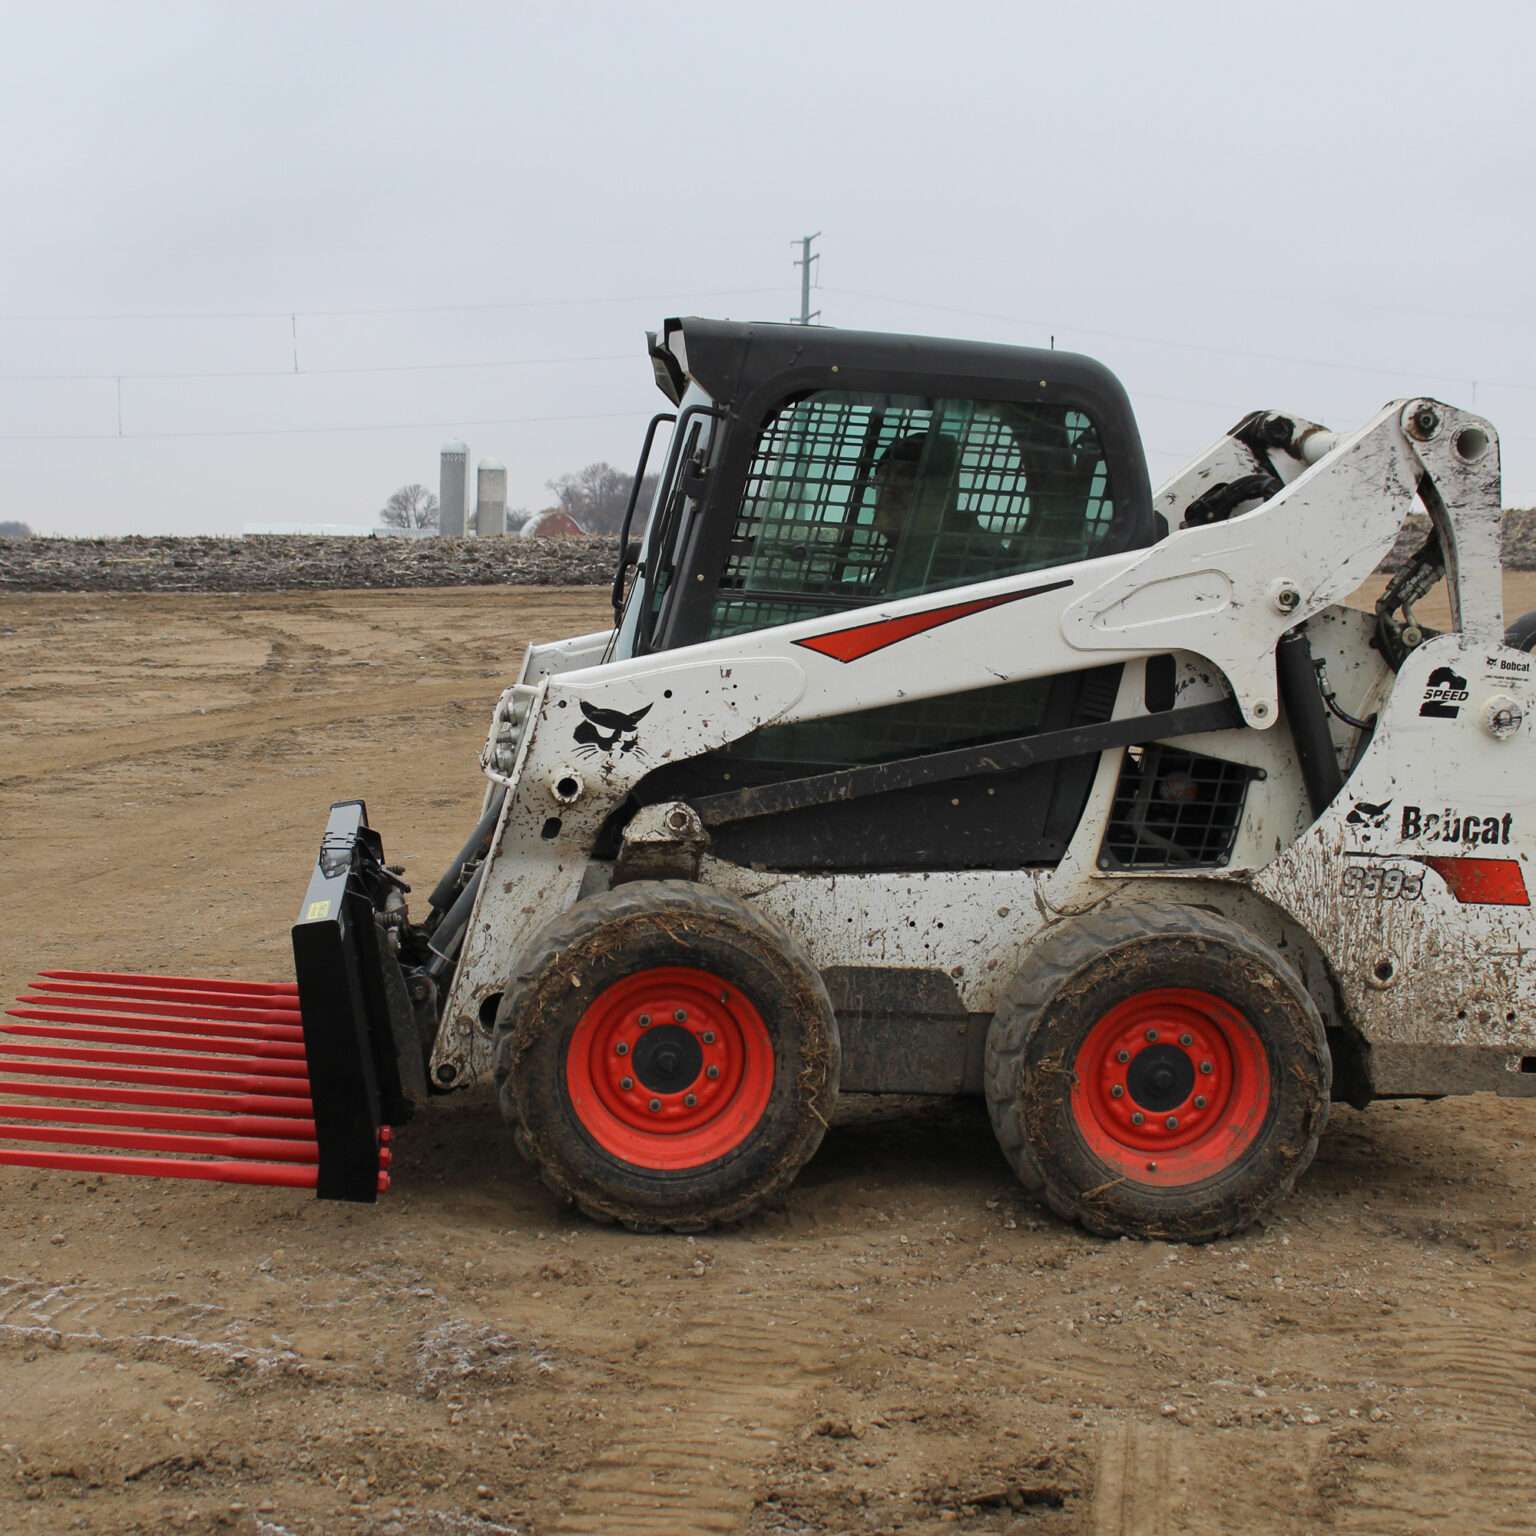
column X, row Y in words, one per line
column 807, row 314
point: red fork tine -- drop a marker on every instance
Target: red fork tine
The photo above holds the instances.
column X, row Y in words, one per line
column 221, row 1082
column 296, row 1108
column 185, row 983
column 286, row 1175
column 282, row 1175
column 230, row 1124
column 269, row 1149
column 185, row 1061
column 211, row 1027
column 272, row 1015
column 277, row 1050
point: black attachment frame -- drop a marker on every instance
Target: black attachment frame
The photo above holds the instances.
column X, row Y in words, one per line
column 964, row 762
column 349, row 1041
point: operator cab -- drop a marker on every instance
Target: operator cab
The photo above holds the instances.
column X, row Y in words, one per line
column 813, row 470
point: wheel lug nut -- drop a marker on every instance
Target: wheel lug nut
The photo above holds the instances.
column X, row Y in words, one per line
column 711, row 1072
column 1137, row 1118
column 709, row 1037
column 1186, row 1039
column 1122, row 1055
column 622, row 1048
column 645, row 1021
column 1172, row 1122
column 655, row 1106
column 1206, row 1068
column 1199, row 1101
column 1117, row 1092
column 681, row 1015
column 626, row 1083
column 690, row 1099
column 1151, row 1034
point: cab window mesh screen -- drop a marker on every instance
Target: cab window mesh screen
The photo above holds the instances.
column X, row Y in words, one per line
column 853, row 497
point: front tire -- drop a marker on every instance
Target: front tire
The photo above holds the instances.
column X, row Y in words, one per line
column 1159, row 1073
column 667, row 1056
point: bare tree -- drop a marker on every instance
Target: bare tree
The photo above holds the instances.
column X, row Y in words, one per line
column 412, row 506
column 15, row 531
column 597, row 495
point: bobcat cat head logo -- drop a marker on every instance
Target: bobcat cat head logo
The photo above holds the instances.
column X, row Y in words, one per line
column 1365, row 814
column 603, row 730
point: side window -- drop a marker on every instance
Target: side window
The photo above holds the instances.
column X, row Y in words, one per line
column 856, row 496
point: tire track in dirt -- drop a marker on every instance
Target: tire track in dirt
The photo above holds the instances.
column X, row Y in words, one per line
column 717, row 1401
column 88, row 749
column 1141, row 1476
column 116, row 1320
column 1475, row 1375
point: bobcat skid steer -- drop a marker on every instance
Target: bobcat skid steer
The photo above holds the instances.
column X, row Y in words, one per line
column 930, row 753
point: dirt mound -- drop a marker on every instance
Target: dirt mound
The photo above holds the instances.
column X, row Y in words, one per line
column 1519, row 540
column 302, row 563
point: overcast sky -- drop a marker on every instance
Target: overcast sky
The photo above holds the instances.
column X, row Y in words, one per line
column 1311, row 207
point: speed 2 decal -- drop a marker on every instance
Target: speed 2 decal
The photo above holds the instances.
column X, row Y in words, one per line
column 1444, row 694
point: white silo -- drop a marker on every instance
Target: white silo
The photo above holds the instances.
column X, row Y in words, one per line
column 491, row 498
column 453, row 488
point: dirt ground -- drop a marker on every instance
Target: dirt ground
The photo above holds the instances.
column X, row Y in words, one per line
column 909, row 1344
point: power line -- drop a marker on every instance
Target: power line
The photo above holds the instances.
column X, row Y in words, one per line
column 396, row 309
column 450, row 424
column 1186, row 346
column 288, row 373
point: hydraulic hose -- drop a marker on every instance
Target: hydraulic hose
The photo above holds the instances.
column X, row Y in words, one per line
column 449, row 933
column 476, row 848
column 1302, row 696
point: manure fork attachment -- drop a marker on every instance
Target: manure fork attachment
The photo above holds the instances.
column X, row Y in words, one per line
column 292, row 1084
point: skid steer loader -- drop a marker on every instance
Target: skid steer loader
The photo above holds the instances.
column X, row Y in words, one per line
column 930, row 752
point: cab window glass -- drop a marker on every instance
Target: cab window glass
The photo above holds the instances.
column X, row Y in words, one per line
column 854, row 497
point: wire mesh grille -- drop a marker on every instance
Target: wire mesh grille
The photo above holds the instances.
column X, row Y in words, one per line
column 1174, row 809
column 851, row 497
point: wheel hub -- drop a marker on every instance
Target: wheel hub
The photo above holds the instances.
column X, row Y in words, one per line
column 1160, row 1078
column 1171, row 1085
column 669, row 1068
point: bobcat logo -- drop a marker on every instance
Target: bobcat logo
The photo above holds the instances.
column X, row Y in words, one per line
column 603, row 730
column 1365, row 814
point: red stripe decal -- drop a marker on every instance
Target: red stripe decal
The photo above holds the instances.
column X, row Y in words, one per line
column 864, row 639
column 1481, row 882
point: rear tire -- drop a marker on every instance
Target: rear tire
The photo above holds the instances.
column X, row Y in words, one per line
column 1157, row 1073
column 668, row 1057
column 1521, row 635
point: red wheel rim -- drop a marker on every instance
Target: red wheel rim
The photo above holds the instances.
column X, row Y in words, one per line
column 1171, row 1086
column 670, row 1068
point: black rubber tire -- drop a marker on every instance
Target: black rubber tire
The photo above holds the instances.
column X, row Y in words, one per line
column 602, row 940
column 1078, row 971
column 1521, row 635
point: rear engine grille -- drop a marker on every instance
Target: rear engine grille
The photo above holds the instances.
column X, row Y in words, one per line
column 1175, row 810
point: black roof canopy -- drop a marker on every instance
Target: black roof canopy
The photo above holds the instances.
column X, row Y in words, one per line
column 751, row 367
column 731, row 358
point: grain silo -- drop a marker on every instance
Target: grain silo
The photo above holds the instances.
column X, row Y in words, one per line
column 491, row 498
column 453, row 488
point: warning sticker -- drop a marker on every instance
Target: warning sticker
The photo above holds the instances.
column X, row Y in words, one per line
column 317, row 911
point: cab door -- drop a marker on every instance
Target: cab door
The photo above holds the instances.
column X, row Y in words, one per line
column 851, row 497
